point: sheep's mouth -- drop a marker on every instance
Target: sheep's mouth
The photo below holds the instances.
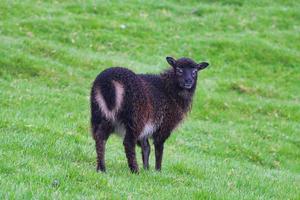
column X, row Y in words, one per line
column 188, row 85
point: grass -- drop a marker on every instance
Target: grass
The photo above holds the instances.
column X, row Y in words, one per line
column 241, row 140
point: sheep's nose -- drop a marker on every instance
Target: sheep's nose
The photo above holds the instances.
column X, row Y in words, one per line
column 188, row 81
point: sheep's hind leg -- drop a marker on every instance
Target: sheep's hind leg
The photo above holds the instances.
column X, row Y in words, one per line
column 129, row 145
column 101, row 135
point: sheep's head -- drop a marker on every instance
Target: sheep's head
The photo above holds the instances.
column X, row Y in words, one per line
column 186, row 71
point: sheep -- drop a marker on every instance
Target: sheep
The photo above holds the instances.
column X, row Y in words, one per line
column 141, row 106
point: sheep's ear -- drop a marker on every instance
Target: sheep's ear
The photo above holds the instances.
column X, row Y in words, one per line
column 202, row 65
column 171, row 61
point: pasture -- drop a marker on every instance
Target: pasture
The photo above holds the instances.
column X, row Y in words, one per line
column 241, row 140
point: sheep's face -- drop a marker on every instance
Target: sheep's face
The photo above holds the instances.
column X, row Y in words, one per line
column 186, row 71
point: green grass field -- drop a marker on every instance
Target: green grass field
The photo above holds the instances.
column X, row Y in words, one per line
column 241, row 140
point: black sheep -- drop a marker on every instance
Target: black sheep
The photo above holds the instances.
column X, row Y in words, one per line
column 139, row 106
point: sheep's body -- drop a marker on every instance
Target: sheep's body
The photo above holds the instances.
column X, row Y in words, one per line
column 136, row 107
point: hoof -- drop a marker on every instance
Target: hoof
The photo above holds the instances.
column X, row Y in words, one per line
column 99, row 169
column 134, row 171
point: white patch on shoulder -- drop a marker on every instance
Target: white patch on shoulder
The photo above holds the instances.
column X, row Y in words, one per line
column 120, row 129
column 148, row 130
column 110, row 114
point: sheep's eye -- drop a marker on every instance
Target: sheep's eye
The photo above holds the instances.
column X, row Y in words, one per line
column 179, row 71
column 194, row 73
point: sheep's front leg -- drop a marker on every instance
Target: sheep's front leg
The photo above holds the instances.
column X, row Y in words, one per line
column 159, row 149
column 129, row 145
column 145, row 152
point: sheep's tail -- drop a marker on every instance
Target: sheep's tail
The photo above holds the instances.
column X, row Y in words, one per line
column 109, row 96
